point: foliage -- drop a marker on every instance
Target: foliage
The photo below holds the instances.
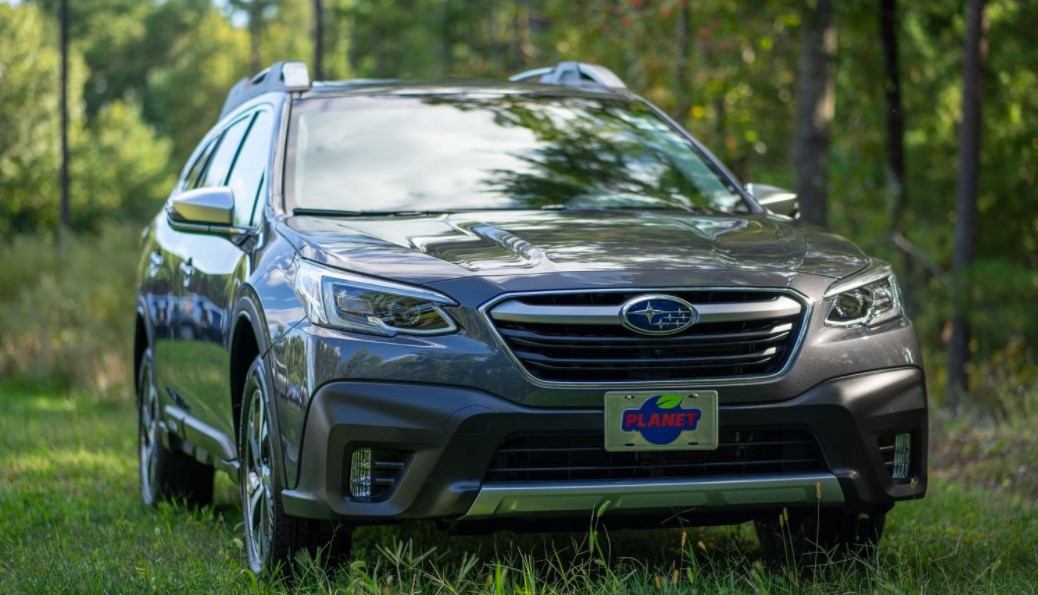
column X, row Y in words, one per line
column 29, row 119
column 119, row 165
column 187, row 92
column 148, row 78
column 119, row 168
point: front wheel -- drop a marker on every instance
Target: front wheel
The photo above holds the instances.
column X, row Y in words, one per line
column 165, row 474
column 272, row 537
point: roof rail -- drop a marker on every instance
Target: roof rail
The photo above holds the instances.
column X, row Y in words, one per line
column 280, row 76
column 572, row 74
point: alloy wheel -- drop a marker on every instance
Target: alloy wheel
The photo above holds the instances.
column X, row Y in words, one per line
column 148, row 437
column 257, row 483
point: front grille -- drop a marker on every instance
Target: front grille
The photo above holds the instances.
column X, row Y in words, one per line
column 751, row 344
column 533, row 458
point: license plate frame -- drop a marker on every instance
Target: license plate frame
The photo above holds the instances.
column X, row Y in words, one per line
column 652, row 424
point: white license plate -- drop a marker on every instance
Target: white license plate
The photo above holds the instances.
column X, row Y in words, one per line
column 661, row 420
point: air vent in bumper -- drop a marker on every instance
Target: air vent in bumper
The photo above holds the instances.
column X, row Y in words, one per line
column 533, row 458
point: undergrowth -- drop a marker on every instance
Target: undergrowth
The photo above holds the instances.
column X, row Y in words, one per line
column 66, row 309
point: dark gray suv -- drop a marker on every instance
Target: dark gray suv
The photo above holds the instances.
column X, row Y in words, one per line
column 510, row 305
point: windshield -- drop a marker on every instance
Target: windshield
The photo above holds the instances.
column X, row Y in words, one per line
column 394, row 153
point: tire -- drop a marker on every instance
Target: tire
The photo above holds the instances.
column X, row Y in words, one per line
column 165, row 475
column 808, row 536
column 273, row 538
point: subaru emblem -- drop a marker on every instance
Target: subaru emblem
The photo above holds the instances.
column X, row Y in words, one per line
column 658, row 315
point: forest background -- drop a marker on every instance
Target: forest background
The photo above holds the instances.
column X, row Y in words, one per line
column 911, row 129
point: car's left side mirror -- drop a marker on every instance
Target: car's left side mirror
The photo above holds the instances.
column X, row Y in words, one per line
column 204, row 210
column 777, row 200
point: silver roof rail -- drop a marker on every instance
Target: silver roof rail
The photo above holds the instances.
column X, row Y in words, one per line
column 572, row 74
column 280, row 76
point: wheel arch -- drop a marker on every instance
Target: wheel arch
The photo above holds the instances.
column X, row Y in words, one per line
column 142, row 339
column 247, row 341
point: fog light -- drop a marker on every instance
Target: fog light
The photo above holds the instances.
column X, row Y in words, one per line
column 360, row 473
column 902, row 456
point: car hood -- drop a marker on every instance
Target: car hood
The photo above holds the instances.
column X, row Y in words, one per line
column 429, row 248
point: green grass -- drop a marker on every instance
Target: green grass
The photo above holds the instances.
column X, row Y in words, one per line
column 71, row 521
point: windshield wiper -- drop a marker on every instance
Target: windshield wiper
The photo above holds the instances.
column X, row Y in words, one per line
column 337, row 213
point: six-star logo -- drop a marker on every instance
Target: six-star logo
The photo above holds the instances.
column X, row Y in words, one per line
column 658, row 315
column 660, row 419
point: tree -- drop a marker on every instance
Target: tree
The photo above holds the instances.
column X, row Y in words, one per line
column 895, row 137
column 63, row 214
column 187, row 92
column 258, row 12
column 966, row 198
column 118, row 166
column 318, row 40
column 895, row 120
column 121, row 168
column 29, row 118
column 816, row 97
column 683, row 43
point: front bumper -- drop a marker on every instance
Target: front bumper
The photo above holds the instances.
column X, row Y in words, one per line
column 448, row 436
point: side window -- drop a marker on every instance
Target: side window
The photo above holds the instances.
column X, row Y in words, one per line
column 248, row 171
column 195, row 172
column 223, row 158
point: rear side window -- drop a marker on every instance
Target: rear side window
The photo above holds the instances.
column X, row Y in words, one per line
column 223, row 158
column 249, row 168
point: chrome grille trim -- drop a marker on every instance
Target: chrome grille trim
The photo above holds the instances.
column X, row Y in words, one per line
column 516, row 311
column 804, row 305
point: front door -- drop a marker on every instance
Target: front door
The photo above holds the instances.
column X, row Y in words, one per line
column 216, row 271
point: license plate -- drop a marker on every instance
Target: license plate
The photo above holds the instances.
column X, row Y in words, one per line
column 661, row 420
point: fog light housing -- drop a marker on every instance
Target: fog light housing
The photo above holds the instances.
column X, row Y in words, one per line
column 360, row 473
column 902, row 456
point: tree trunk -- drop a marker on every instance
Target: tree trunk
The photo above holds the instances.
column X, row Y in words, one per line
column 255, row 35
column 682, row 40
column 447, row 40
column 895, row 115
column 63, row 213
column 895, row 121
column 496, row 58
column 966, row 198
column 318, row 40
column 816, row 95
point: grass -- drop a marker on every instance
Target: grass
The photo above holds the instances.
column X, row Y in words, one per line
column 72, row 521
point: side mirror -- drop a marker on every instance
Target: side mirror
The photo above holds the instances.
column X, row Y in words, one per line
column 203, row 210
column 777, row 200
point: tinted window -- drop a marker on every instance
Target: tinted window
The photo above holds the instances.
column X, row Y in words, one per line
column 474, row 151
column 247, row 173
column 223, row 158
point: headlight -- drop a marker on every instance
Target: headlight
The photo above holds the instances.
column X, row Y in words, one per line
column 868, row 299
column 335, row 299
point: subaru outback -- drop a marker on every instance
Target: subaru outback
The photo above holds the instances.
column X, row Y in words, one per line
column 510, row 305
